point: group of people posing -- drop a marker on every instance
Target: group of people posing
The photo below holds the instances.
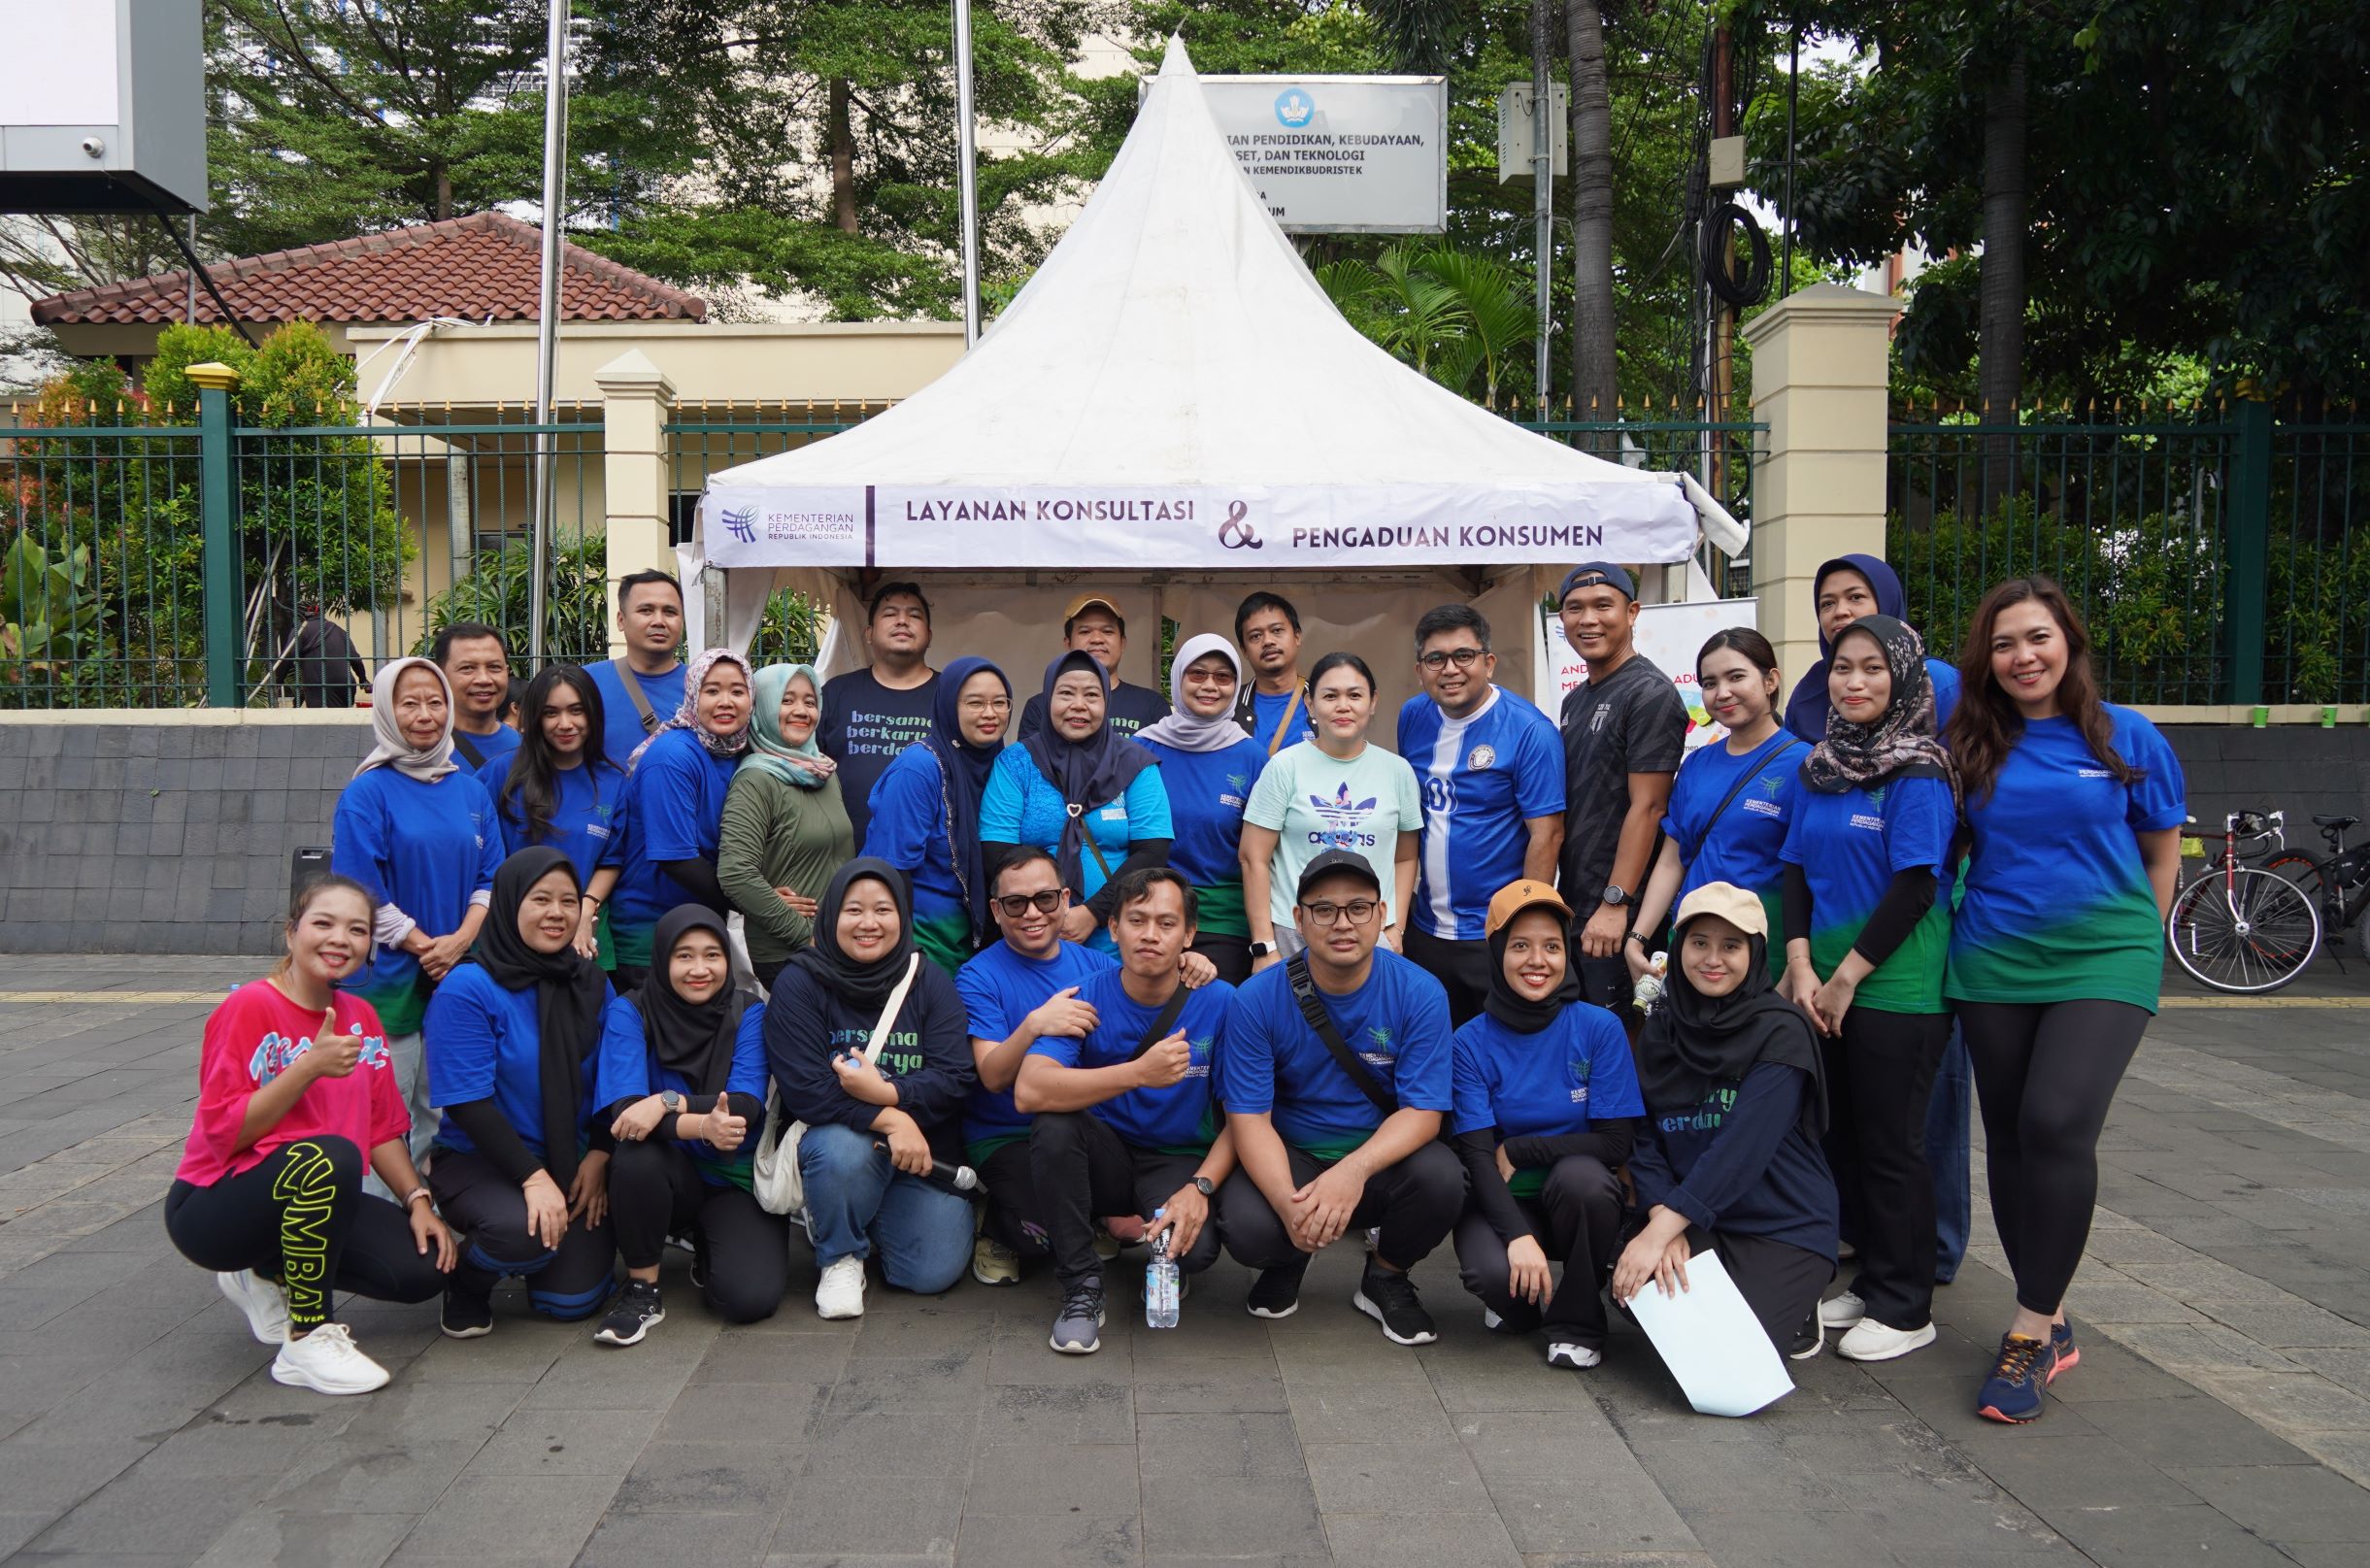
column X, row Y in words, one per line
column 1208, row 972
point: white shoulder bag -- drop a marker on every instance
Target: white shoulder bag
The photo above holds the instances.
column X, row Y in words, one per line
column 778, row 1186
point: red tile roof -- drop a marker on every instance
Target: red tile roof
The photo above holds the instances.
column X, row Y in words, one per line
column 483, row 267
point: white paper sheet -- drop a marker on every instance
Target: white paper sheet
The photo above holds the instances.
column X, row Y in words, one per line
column 1712, row 1341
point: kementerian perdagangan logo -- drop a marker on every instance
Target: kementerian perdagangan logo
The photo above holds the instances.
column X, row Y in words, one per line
column 1294, row 108
column 741, row 524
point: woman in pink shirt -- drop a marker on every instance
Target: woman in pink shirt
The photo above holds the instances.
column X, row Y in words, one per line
column 293, row 1087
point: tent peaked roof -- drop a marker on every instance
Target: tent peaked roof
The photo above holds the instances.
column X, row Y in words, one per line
column 1173, row 350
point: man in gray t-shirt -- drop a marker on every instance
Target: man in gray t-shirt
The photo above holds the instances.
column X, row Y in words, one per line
column 1624, row 730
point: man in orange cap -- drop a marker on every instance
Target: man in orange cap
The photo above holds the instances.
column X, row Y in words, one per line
column 1092, row 624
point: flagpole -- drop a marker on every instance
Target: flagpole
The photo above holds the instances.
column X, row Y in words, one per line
column 967, row 177
column 546, row 320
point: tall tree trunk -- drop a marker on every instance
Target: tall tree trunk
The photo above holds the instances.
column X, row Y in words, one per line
column 1594, row 367
column 2000, row 377
column 843, row 158
column 444, row 192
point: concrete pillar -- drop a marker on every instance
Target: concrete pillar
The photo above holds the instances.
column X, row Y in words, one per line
column 635, row 397
column 1819, row 380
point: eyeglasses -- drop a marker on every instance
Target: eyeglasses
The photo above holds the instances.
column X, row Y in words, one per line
column 988, row 705
column 1464, row 658
column 1358, row 910
column 1015, row 904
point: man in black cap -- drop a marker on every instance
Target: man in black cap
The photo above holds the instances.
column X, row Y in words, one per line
column 1624, row 731
column 1335, row 1080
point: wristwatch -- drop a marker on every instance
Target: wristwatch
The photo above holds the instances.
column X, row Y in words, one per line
column 1263, row 949
column 670, row 1100
column 1615, row 896
column 1205, row 1186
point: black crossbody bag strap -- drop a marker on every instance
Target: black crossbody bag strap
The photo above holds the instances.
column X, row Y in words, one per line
column 1170, row 1012
column 1313, row 1009
column 1742, row 780
column 468, row 748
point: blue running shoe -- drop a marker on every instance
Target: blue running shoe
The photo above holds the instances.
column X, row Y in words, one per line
column 2063, row 1355
column 2012, row 1391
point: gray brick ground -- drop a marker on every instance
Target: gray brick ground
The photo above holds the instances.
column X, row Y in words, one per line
column 2222, row 1410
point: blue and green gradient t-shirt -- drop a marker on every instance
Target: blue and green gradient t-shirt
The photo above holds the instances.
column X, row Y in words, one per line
column 1182, row 1118
column 2058, row 905
column 1850, row 846
column 1572, row 1073
column 907, row 827
column 1206, row 792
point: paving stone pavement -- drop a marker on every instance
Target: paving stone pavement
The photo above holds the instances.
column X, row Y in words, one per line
column 2222, row 1412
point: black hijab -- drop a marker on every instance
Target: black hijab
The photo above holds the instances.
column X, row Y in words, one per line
column 695, row 1038
column 1515, row 1012
column 859, row 984
column 570, row 992
column 1692, row 1041
column 1088, row 772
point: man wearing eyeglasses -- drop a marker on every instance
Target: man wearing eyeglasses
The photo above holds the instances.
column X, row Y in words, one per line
column 1336, row 1077
column 1490, row 766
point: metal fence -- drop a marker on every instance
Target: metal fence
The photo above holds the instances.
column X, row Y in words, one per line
column 2220, row 555
column 165, row 565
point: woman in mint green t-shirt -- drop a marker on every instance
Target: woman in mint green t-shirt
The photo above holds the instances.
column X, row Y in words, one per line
column 1334, row 792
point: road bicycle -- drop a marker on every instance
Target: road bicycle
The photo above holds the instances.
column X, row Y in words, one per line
column 2244, row 928
column 2338, row 883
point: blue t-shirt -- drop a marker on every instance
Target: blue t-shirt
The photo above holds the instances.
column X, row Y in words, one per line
column 1483, row 777
column 626, row 1070
column 499, row 747
column 486, row 1042
column 588, row 820
column 1850, row 846
column 1267, row 711
column 907, row 827
column 1207, row 792
column 1398, row 1025
column 620, row 723
column 675, row 802
column 1000, row 988
column 1742, row 843
column 1573, row 1072
column 1179, row 1120
column 2057, row 902
column 424, row 848
column 1022, row 808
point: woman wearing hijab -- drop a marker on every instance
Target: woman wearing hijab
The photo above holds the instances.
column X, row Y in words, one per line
column 419, row 835
column 1079, row 792
column 558, row 787
column 675, row 800
column 681, row 1086
column 1545, row 1107
column 1208, row 764
column 1735, row 1105
column 516, row 1164
column 874, row 1128
column 925, row 811
column 1867, row 935
column 786, row 828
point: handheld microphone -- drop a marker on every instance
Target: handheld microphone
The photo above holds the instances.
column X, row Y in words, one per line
column 953, row 1177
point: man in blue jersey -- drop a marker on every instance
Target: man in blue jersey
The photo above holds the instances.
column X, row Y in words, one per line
column 1337, row 1072
column 1490, row 766
column 643, row 690
column 1272, row 708
column 1126, row 1118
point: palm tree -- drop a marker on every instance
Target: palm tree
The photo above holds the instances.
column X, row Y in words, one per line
column 1594, row 367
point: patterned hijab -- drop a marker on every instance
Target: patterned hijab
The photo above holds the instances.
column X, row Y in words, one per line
column 687, row 717
column 390, row 747
column 805, row 766
column 1901, row 743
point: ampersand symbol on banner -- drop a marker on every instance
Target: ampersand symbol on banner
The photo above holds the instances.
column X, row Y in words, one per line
column 1236, row 534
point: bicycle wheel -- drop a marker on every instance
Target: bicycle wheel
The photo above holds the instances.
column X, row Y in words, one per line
column 2246, row 931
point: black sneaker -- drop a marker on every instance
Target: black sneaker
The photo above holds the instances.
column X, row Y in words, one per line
column 1389, row 1299
column 1275, row 1292
column 466, row 1316
column 699, row 1268
column 635, row 1313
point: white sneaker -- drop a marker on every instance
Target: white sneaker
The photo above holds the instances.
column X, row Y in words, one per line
column 328, row 1362
column 840, row 1293
column 1490, row 1320
column 1579, row 1357
column 265, row 1304
column 1870, row 1341
column 1841, row 1312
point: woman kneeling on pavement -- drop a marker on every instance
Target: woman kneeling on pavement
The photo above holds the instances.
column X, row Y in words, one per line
column 295, row 1084
column 1736, row 1105
column 681, row 1076
column 512, row 1036
column 870, row 1048
column 1546, row 1107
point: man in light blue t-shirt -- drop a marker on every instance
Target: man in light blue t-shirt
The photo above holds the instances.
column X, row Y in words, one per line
column 1490, row 766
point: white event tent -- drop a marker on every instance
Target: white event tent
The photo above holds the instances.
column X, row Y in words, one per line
column 1172, row 413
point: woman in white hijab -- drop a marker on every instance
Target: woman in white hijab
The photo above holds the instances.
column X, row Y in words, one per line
column 1209, row 763
column 417, row 831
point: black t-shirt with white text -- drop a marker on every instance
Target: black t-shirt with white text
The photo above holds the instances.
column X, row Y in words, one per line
column 865, row 725
column 1631, row 722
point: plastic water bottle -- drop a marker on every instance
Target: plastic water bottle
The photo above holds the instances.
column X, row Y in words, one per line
column 1160, row 1288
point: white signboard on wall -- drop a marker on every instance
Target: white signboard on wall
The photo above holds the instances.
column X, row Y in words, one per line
column 1340, row 155
column 1671, row 635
